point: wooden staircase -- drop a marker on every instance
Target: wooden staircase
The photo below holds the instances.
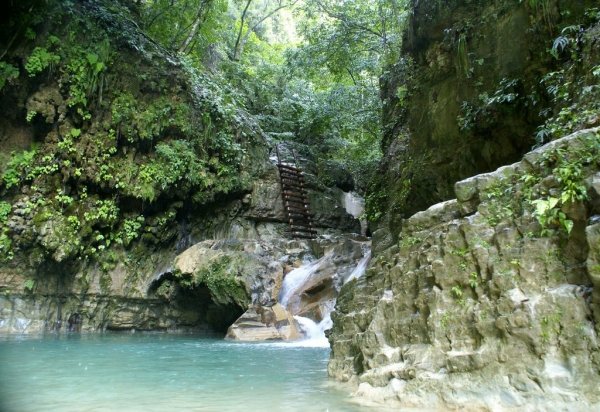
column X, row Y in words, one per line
column 295, row 198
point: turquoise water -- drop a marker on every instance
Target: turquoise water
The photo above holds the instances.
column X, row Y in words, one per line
column 160, row 372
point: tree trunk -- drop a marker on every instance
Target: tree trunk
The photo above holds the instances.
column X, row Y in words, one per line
column 238, row 46
column 202, row 13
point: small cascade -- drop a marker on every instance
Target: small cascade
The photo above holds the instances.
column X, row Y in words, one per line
column 297, row 278
column 355, row 206
column 301, row 279
column 315, row 332
column 360, row 269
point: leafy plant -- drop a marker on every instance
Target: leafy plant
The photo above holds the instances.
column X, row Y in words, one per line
column 28, row 285
column 457, row 291
column 473, row 280
column 8, row 73
column 568, row 170
column 463, row 55
column 39, row 60
column 17, row 167
column 5, row 209
column 6, row 250
column 482, row 112
column 221, row 278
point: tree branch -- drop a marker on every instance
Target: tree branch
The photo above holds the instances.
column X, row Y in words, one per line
column 240, row 32
column 345, row 20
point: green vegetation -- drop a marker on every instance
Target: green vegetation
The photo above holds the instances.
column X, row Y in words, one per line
column 574, row 87
column 128, row 147
column 28, row 285
column 550, row 325
column 8, row 73
column 17, row 167
column 222, row 277
column 40, row 60
column 508, row 199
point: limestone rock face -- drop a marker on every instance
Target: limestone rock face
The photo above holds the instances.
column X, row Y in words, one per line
column 254, row 262
column 459, row 101
column 479, row 306
column 265, row 204
column 260, row 323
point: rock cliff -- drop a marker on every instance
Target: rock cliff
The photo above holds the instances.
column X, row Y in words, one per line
column 488, row 301
column 478, row 83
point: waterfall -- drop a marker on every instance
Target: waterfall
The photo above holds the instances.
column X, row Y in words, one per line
column 315, row 332
column 299, row 280
column 298, row 277
column 359, row 270
column 355, row 206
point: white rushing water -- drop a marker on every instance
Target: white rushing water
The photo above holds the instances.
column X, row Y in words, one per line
column 353, row 203
column 355, row 206
column 360, row 269
column 314, row 332
column 295, row 282
column 296, row 278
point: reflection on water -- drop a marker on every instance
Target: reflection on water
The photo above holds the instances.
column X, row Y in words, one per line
column 159, row 372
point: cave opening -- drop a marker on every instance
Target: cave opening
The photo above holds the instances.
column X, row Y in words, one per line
column 194, row 304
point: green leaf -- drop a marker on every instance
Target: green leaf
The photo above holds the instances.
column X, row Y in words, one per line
column 568, row 225
column 92, row 58
column 541, row 206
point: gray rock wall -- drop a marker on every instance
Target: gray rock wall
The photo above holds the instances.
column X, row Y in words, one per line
column 480, row 307
column 467, row 96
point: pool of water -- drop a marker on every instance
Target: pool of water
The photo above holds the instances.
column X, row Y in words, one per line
column 160, row 372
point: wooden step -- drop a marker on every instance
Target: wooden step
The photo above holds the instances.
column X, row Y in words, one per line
column 297, row 208
column 301, row 235
column 300, row 221
column 298, row 216
column 292, row 194
column 298, row 178
column 299, row 228
column 299, row 213
column 287, row 167
column 291, row 172
column 293, row 183
column 295, row 203
column 297, row 195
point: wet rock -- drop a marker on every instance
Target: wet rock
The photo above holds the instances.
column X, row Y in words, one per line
column 478, row 311
column 260, row 323
column 48, row 103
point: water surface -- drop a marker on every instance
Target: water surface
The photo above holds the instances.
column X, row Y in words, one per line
column 160, row 372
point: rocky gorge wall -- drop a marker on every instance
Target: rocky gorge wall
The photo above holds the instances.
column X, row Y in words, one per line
column 477, row 85
column 489, row 301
